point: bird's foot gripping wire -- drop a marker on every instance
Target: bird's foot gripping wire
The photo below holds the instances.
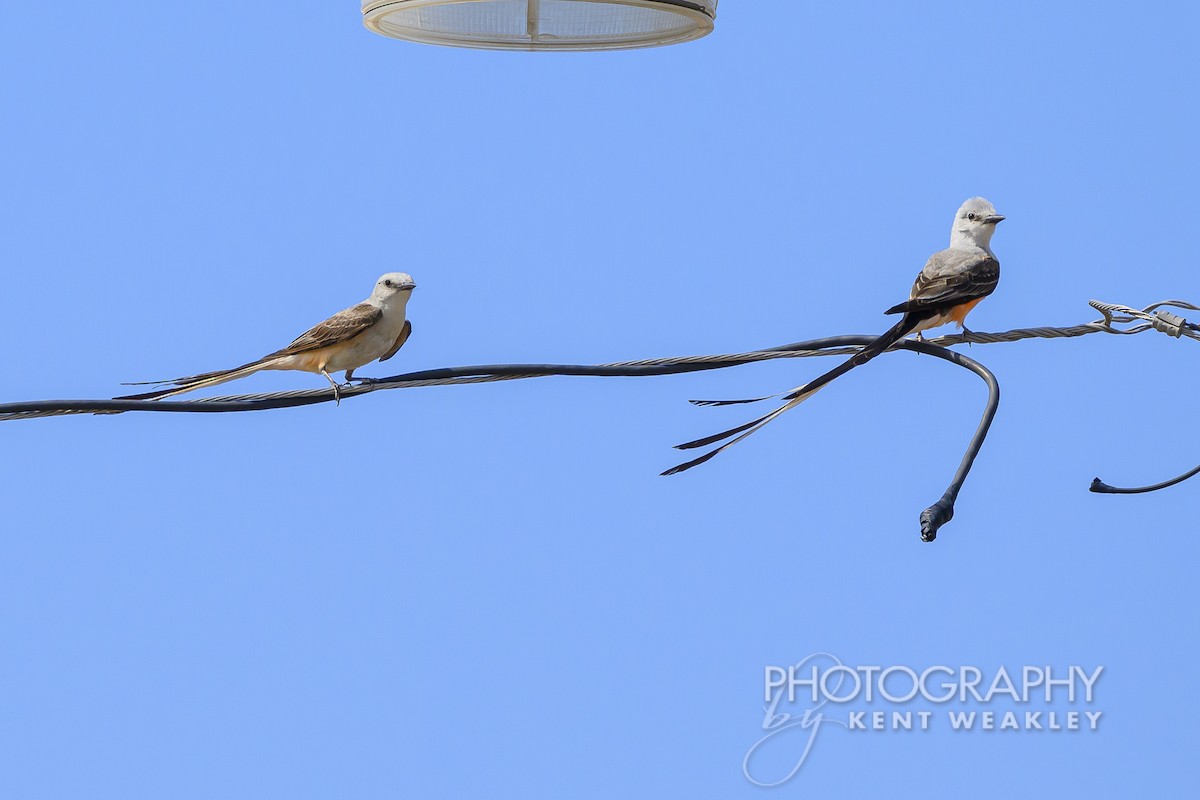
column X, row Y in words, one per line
column 352, row 381
column 337, row 390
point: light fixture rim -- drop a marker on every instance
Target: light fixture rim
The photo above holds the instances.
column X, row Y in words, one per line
column 687, row 5
column 698, row 12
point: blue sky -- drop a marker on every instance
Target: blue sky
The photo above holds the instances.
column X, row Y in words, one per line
column 486, row 591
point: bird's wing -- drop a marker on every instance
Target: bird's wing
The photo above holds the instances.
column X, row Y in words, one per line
column 405, row 332
column 955, row 275
column 338, row 328
column 951, row 277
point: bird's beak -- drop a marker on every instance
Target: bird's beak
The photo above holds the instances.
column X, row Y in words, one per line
column 411, row 286
column 994, row 218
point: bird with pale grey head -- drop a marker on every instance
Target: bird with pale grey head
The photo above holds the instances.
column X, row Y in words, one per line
column 952, row 282
column 374, row 329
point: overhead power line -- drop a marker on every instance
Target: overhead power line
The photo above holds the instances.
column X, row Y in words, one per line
column 1116, row 319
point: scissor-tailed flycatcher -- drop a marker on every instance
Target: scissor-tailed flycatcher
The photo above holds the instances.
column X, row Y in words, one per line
column 375, row 328
column 952, row 283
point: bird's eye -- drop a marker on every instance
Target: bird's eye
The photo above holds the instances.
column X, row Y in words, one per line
column 389, row 284
column 971, row 216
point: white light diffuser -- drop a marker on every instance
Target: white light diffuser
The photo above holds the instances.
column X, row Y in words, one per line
column 542, row 24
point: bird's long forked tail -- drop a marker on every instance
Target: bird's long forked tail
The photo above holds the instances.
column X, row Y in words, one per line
column 193, row 382
column 745, row 401
column 795, row 397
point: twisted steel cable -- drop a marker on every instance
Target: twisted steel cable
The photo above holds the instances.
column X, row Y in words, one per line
column 1152, row 317
column 1114, row 314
